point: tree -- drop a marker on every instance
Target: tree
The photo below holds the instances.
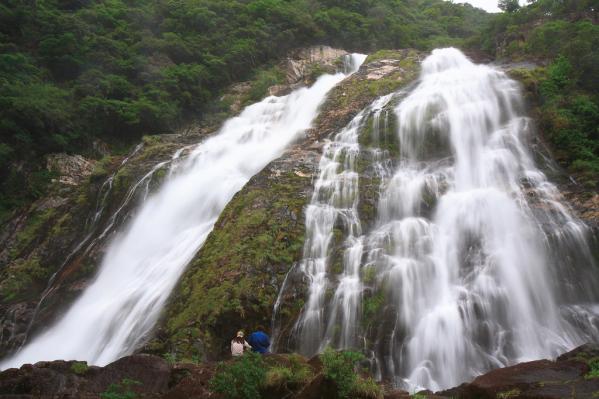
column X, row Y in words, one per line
column 508, row 5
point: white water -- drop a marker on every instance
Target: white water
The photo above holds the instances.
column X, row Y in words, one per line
column 474, row 282
column 335, row 200
column 478, row 262
column 117, row 311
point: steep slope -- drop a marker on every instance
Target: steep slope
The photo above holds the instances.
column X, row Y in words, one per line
column 52, row 251
column 428, row 237
column 234, row 280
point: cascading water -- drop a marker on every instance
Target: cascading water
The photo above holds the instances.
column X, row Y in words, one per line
column 334, row 202
column 473, row 262
column 142, row 265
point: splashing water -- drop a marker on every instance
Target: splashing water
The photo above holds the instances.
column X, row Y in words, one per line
column 117, row 311
column 476, row 262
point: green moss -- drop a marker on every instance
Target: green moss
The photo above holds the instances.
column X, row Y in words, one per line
column 79, row 367
column 368, row 274
column 291, row 376
column 367, row 388
column 20, row 278
column 371, row 307
column 255, row 241
column 336, row 266
column 594, row 368
column 102, row 168
column 371, row 88
column 156, row 148
column 315, row 70
column 59, row 227
column 32, row 230
column 122, row 181
column 384, row 55
column 512, row 393
column 262, row 81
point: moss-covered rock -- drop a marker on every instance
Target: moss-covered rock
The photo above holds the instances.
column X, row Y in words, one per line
column 52, row 248
column 234, row 280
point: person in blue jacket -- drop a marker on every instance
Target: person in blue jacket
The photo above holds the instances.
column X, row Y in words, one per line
column 259, row 340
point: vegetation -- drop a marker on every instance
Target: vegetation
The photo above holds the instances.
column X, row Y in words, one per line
column 75, row 72
column 241, row 378
column 123, row 390
column 340, row 368
column 289, row 377
column 562, row 34
column 258, row 238
column 594, row 369
column 79, row 367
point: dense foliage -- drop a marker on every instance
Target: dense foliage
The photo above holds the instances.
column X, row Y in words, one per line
column 340, row 368
column 564, row 34
column 72, row 72
column 240, row 379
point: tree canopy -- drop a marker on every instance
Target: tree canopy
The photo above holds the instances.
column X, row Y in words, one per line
column 74, row 71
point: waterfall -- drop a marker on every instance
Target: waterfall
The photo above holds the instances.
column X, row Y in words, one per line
column 334, row 201
column 473, row 261
column 115, row 314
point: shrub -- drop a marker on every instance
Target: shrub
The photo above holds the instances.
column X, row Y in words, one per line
column 293, row 376
column 171, row 358
column 594, row 371
column 79, row 367
column 367, row 388
column 278, row 376
column 241, row 378
column 339, row 367
column 123, row 390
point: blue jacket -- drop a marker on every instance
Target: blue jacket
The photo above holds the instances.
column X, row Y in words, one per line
column 259, row 341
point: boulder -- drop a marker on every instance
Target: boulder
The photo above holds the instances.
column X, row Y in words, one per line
column 566, row 377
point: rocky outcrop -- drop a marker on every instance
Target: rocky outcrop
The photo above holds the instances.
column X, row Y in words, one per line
column 71, row 169
column 50, row 250
column 299, row 65
column 145, row 375
column 583, row 198
column 569, row 376
column 573, row 375
column 234, row 280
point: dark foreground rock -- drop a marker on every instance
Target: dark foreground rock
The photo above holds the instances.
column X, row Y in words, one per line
column 567, row 377
column 148, row 376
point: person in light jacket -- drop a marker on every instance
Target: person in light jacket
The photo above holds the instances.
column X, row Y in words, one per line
column 239, row 344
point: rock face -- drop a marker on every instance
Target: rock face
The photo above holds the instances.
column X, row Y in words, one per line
column 149, row 376
column 297, row 66
column 50, row 250
column 71, row 169
column 584, row 200
column 234, row 279
column 567, row 377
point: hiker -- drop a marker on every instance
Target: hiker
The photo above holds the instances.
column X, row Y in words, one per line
column 259, row 340
column 239, row 344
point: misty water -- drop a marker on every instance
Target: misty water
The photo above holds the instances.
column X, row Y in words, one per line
column 474, row 261
column 115, row 314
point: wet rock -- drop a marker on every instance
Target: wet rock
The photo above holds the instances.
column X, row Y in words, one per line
column 567, row 377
